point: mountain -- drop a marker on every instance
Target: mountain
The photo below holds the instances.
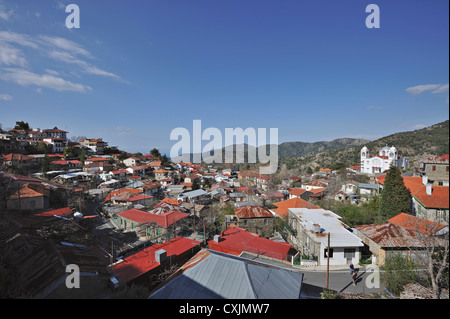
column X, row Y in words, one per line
column 295, row 149
column 432, row 140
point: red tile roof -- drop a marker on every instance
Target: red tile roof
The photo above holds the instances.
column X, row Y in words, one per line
column 58, row 212
column 416, row 223
column 236, row 240
column 295, row 202
column 17, row 157
column 30, row 190
column 297, row 191
column 139, row 197
column 439, row 197
column 163, row 220
column 143, row 261
column 170, row 201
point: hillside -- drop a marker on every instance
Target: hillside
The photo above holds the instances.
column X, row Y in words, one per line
column 432, row 140
column 295, row 149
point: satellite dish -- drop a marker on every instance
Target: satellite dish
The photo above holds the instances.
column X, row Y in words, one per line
column 78, row 215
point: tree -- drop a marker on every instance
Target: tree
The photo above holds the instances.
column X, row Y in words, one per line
column 395, row 197
column 22, row 126
column 155, row 152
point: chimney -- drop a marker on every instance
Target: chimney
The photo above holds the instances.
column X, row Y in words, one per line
column 424, row 179
column 317, row 228
column 160, row 255
column 429, row 189
column 216, row 238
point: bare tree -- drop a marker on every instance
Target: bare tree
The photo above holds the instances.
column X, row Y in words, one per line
column 433, row 237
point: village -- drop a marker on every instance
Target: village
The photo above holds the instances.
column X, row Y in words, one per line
column 140, row 225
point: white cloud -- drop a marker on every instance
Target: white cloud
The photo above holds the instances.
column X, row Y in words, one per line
column 419, row 126
column 66, row 45
column 25, row 78
column 10, row 55
column 4, row 13
column 434, row 88
column 86, row 67
column 5, row 97
column 56, row 48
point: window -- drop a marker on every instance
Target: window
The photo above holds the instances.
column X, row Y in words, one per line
column 446, row 169
column 266, row 221
column 433, row 168
column 325, row 252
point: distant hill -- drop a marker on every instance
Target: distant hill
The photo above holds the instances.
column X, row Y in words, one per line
column 432, row 140
column 295, row 149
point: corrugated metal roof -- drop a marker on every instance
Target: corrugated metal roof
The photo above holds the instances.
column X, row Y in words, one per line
column 212, row 275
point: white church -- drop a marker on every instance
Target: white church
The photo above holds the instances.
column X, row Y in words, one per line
column 380, row 163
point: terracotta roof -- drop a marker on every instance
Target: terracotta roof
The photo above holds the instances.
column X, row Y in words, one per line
column 30, row 190
column 171, row 201
column 155, row 163
column 163, row 220
column 58, row 212
column 416, row 223
column 139, row 197
column 17, row 157
column 297, row 191
column 143, row 261
column 123, row 190
column 236, row 240
column 295, row 202
column 97, row 159
column 252, row 212
column 439, row 197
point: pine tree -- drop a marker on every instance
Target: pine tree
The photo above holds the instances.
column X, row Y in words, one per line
column 395, row 197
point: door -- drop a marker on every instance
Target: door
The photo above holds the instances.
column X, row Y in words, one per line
column 349, row 254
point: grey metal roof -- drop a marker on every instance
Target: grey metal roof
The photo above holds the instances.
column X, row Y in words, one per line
column 364, row 185
column 217, row 276
column 195, row 193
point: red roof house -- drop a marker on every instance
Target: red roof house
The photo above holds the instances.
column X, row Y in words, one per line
column 236, row 240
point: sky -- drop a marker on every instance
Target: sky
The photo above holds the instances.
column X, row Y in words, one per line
column 136, row 70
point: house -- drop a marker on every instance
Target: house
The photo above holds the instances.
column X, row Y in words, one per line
column 156, row 165
column 132, row 161
column 406, row 235
column 96, row 145
column 436, row 168
column 120, row 174
column 18, row 160
column 141, row 199
column 137, row 170
column 237, row 240
column 31, row 196
column 300, row 193
column 196, row 195
column 295, row 202
column 160, row 174
column 142, row 267
column 154, row 227
column 255, row 219
column 213, row 275
column 98, row 166
column 368, row 189
column 96, row 160
column 428, row 201
column 350, row 187
column 309, row 231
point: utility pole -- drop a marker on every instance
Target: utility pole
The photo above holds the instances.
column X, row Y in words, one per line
column 328, row 260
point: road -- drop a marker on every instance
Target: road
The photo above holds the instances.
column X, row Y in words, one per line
column 314, row 281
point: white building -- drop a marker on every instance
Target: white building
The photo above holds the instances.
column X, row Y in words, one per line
column 312, row 227
column 380, row 163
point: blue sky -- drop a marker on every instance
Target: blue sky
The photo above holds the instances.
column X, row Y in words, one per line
column 136, row 70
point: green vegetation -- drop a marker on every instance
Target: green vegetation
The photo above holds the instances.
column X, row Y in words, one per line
column 395, row 197
column 398, row 271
